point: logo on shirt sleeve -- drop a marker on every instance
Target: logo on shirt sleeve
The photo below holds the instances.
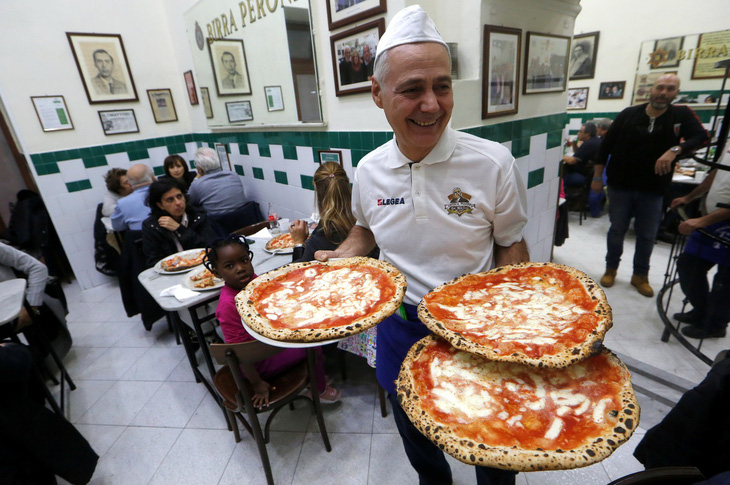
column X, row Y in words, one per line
column 459, row 203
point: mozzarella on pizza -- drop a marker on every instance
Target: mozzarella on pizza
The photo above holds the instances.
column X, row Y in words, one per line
column 315, row 301
column 282, row 241
column 541, row 314
column 513, row 416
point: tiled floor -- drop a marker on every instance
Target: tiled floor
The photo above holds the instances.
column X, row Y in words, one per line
column 138, row 405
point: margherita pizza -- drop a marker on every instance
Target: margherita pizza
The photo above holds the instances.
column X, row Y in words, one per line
column 540, row 314
column 178, row 262
column 516, row 417
column 280, row 242
column 314, row 301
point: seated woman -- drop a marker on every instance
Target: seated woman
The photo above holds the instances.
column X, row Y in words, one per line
column 176, row 168
column 173, row 226
column 230, row 259
column 333, row 193
column 117, row 187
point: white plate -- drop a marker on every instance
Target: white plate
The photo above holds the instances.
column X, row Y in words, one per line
column 190, row 284
column 183, row 254
column 286, row 345
column 279, row 251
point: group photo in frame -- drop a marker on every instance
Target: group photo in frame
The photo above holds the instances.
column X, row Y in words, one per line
column 666, row 53
column 52, row 113
column 118, row 121
column 230, row 68
column 546, row 63
column 577, row 98
column 206, row 102
column 353, row 56
column 163, row 107
column 500, row 71
column 612, row 90
column 239, row 111
column 343, row 12
column 103, row 67
column 583, row 56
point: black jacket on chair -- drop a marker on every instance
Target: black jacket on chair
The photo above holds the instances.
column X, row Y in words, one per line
column 158, row 242
column 134, row 297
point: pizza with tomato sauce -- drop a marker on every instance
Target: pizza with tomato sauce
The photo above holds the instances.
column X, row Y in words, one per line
column 513, row 416
column 315, row 301
column 280, row 242
column 541, row 314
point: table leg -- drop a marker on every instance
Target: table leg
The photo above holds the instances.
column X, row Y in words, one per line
column 182, row 331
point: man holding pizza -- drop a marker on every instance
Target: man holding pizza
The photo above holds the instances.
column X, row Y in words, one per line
column 420, row 192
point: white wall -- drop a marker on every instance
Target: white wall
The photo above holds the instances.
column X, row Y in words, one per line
column 625, row 24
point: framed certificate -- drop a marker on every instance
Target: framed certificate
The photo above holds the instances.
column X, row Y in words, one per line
column 52, row 113
column 239, row 111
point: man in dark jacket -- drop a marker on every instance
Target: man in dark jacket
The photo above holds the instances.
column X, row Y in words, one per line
column 644, row 143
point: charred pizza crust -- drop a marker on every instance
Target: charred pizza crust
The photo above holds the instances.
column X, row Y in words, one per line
column 562, row 356
column 282, row 241
column 516, row 458
column 261, row 324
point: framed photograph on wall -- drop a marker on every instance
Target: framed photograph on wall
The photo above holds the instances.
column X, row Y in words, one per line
column 222, row 151
column 103, row 67
column 118, row 121
column 343, row 12
column 239, row 111
column 190, row 87
column 583, row 56
column 577, row 98
column 230, row 69
column 52, row 113
column 546, row 63
column 330, row 156
column 274, row 99
column 500, row 71
column 349, row 50
column 163, row 107
column 206, row 102
column 666, row 53
column 612, row 90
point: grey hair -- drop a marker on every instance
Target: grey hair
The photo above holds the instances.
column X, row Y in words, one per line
column 206, row 159
column 380, row 70
column 147, row 177
column 590, row 129
column 603, row 124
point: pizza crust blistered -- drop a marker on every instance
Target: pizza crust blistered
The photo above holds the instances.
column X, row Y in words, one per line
column 561, row 356
column 517, row 458
column 246, row 303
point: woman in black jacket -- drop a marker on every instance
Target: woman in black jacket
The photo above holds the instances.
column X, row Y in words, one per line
column 173, row 226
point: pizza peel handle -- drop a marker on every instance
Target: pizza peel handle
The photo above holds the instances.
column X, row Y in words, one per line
column 317, row 302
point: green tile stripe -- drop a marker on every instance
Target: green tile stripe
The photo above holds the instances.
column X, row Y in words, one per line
column 258, row 173
column 78, row 185
column 281, row 177
column 159, row 170
column 307, row 182
column 290, row 152
column 535, row 178
column 264, row 151
column 238, row 169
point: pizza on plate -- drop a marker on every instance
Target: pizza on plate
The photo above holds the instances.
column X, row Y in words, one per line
column 541, row 314
column 177, row 262
column 204, row 279
column 315, row 301
column 282, row 241
column 513, row 416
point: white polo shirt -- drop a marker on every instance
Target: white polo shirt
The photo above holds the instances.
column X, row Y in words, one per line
column 439, row 219
column 720, row 188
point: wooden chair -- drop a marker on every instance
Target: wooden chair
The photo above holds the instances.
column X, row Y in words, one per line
column 673, row 475
column 236, row 392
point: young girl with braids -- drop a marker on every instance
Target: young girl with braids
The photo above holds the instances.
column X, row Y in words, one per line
column 230, row 259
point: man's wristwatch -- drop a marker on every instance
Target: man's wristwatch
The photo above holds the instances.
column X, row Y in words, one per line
column 676, row 149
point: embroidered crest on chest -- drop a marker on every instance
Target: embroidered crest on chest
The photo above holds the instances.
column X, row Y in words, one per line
column 459, row 203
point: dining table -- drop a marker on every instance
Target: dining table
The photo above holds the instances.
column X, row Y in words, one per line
column 199, row 307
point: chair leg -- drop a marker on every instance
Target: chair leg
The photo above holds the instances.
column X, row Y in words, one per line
column 172, row 328
column 260, row 443
column 381, row 398
column 315, row 400
column 232, row 423
column 343, row 367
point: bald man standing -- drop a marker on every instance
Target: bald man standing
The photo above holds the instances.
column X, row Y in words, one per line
column 131, row 210
column 644, row 143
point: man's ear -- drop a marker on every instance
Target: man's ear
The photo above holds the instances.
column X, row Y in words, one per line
column 376, row 91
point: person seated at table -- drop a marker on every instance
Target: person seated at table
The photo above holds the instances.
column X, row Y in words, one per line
column 174, row 226
column 216, row 191
column 117, row 185
column 176, row 168
column 230, row 259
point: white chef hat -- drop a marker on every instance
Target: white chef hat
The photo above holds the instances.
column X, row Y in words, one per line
column 409, row 26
